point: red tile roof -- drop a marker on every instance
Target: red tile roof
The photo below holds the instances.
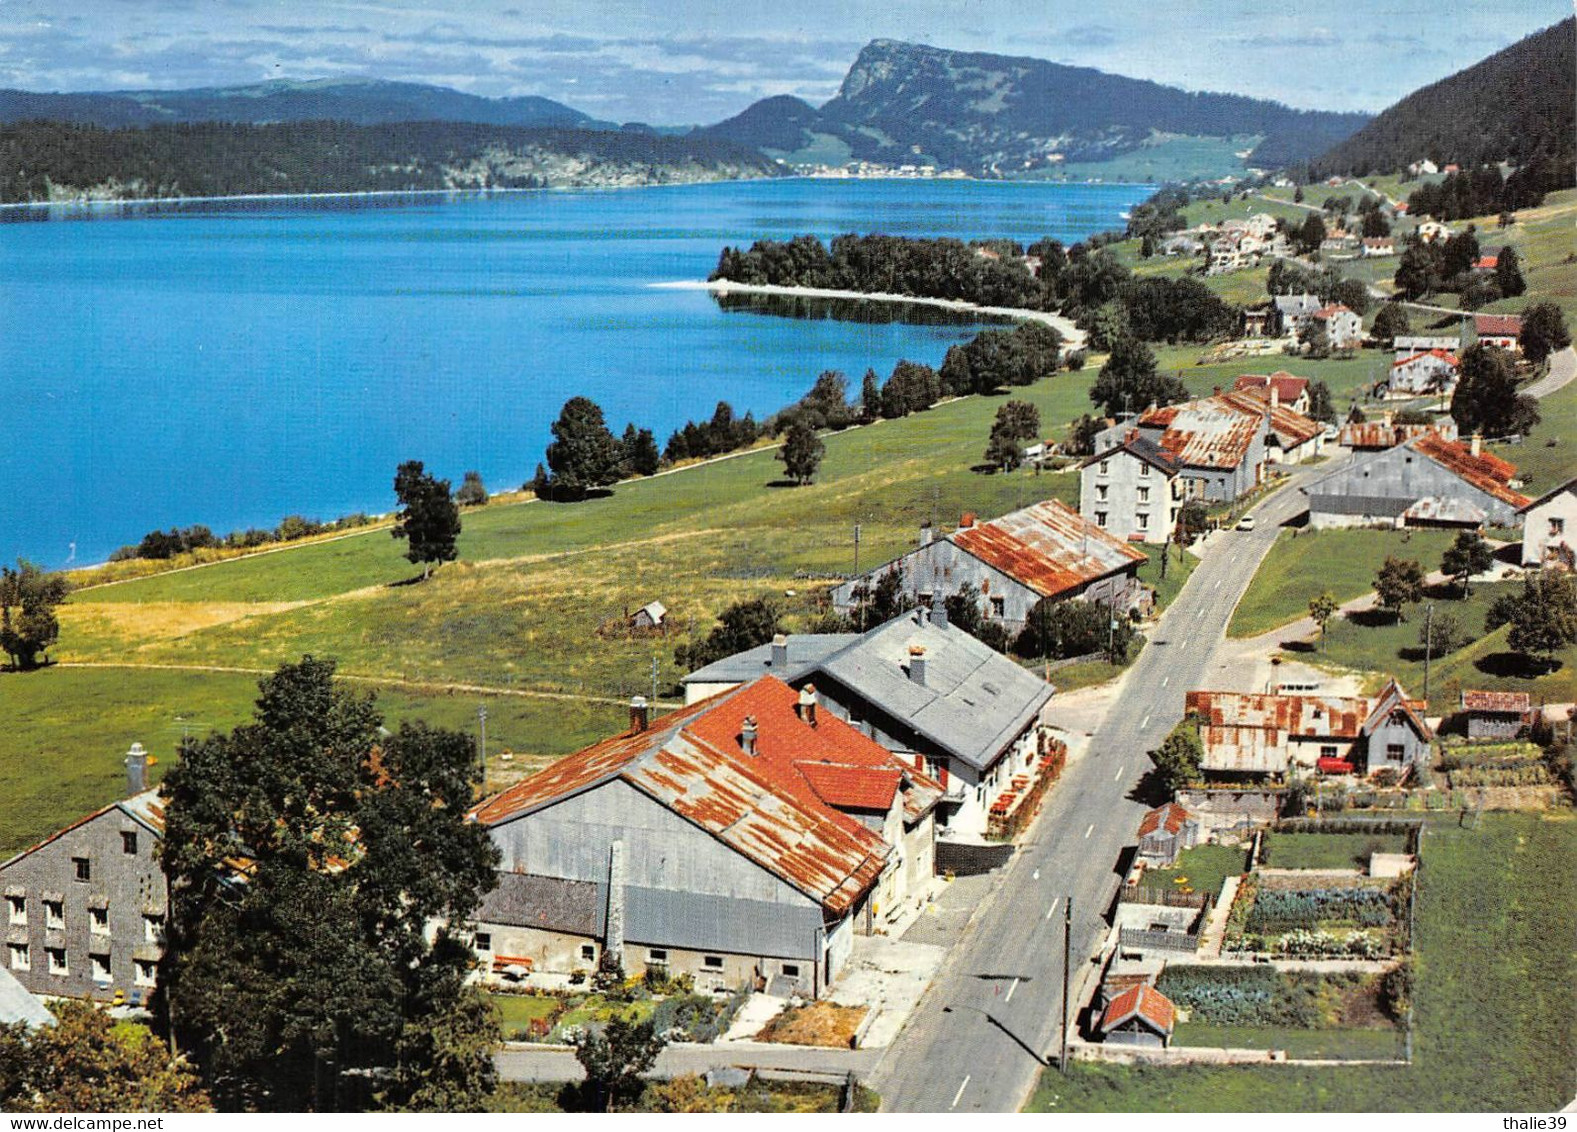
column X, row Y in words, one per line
column 1443, row 355
column 765, row 806
column 1519, row 703
column 1332, row 310
column 1047, row 547
column 1490, row 474
column 1170, row 817
column 1144, row 1002
column 1487, row 262
column 1498, row 325
column 1288, row 387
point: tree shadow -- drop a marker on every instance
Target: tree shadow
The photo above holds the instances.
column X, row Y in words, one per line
column 414, row 580
column 1373, row 618
column 1516, row 665
column 1413, row 654
column 985, row 469
column 1510, row 554
column 783, row 483
column 1296, row 646
column 1443, row 591
column 1150, row 789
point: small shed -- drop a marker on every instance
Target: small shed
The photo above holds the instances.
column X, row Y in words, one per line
column 649, row 616
column 1139, row 1016
column 1165, row 832
column 1496, row 715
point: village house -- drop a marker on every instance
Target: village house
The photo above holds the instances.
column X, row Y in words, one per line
column 1289, row 391
column 1291, row 437
column 1343, row 328
column 923, row 689
column 1427, row 482
column 1503, row 331
column 1255, row 736
column 1382, row 433
column 649, row 616
column 1133, row 490
column 1406, row 345
column 1340, row 244
column 1165, row 832
column 1139, row 1016
column 85, row 908
column 1486, row 264
column 744, row 840
column 1375, row 247
column 1548, row 526
column 1429, row 231
column 1424, row 168
column 1496, row 715
column 1433, row 371
column 1217, row 445
column 1262, row 320
column 1295, row 312
column 1046, row 550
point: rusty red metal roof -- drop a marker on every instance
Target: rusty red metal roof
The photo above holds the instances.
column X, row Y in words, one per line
column 1490, row 474
column 1212, row 432
column 1509, row 703
column 1048, row 547
column 1378, row 434
column 763, row 806
column 1292, row 428
column 1170, row 817
column 1322, row 717
column 1142, row 1001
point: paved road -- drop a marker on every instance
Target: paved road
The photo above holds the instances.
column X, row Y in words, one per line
column 1563, row 368
column 982, row 1033
column 524, row 1064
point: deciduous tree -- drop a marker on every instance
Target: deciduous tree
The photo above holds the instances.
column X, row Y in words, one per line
column 1467, row 556
column 584, row 455
column 801, row 453
column 741, row 626
column 1543, row 332
column 1400, row 582
column 1177, row 759
column 472, row 493
column 615, row 1059
column 1544, row 619
column 1322, row 608
column 429, row 520
column 1486, row 398
column 1129, row 382
column 28, row 625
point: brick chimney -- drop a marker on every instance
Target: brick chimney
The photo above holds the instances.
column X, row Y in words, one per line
column 748, row 732
column 640, row 714
column 806, row 708
column 136, row 770
column 967, row 521
column 917, row 664
column 780, row 652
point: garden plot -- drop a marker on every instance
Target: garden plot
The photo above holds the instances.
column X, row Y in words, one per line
column 1315, row 916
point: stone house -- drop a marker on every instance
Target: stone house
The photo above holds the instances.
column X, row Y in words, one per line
column 1549, row 529
column 1431, row 371
column 1046, row 550
column 1258, row 736
column 649, row 616
column 1496, row 715
column 1133, row 490
column 85, row 908
column 744, row 840
column 925, row 690
column 1165, row 832
column 1425, row 482
column 1295, row 311
column 1378, row 246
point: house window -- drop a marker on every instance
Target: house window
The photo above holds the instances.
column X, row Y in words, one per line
column 20, row 960
column 1143, row 520
column 1106, row 467
column 588, row 952
column 484, row 941
column 128, row 841
column 714, row 962
column 1144, row 469
column 1100, row 518
column 1395, row 752
column 83, row 867
column 1557, row 526
column 153, row 929
column 57, row 960
column 54, row 914
column 791, row 970
column 100, row 968
column 1144, row 495
column 998, row 606
column 17, row 906
column 1327, row 752
column 147, row 972
column 99, row 921
column 1100, row 492
column 657, row 956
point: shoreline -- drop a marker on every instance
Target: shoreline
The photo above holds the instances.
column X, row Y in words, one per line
column 1073, row 337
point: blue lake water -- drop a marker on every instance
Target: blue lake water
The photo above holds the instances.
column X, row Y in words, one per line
column 229, row 363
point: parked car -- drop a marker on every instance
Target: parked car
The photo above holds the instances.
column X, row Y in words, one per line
column 1246, row 523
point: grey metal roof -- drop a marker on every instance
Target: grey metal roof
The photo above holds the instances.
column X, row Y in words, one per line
column 805, row 652
column 698, row 921
column 18, row 1004
column 974, row 701
column 525, row 900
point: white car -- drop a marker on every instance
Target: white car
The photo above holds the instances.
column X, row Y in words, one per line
column 1246, row 523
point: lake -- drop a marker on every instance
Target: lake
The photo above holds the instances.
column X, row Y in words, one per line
column 229, row 363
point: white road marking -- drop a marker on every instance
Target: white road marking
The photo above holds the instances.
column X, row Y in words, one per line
column 1053, row 907
column 958, row 1095
column 1089, row 831
column 1145, row 722
column 1200, row 615
column 1165, row 680
column 1011, row 989
column 1218, row 584
column 1119, row 773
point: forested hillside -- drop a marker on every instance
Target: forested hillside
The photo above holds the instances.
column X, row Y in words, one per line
column 1519, row 105
column 41, row 161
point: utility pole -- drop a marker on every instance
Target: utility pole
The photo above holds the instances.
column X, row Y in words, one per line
column 1067, row 958
column 654, row 679
column 481, row 723
column 1429, row 641
column 863, row 601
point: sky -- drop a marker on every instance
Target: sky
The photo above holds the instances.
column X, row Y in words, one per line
column 672, row 62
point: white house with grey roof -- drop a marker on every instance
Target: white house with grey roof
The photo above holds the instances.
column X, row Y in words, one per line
column 922, row 688
column 1133, row 489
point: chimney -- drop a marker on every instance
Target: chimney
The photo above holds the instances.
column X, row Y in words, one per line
column 748, row 731
column 1275, row 394
column 136, row 770
column 1476, row 445
column 967, row 521
column 926, row 533
column 917, row 664
column 806, row 708
column 1217, row 390
column 640, row 715
column 780, row 652
column 1385, row 418
column 939, row 612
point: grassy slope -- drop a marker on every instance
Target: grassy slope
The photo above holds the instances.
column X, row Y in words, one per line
column 1356, row 1044
column 1547, row 457
column 1302, row 564
column 1497, row 913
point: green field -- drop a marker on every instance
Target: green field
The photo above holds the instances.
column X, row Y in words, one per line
column 1547, row 458
column 1166, row 157
column 1497, row 911
column 1328, row 850
column 1377, row 1044
column 1303, row 564
column 1347, row 377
